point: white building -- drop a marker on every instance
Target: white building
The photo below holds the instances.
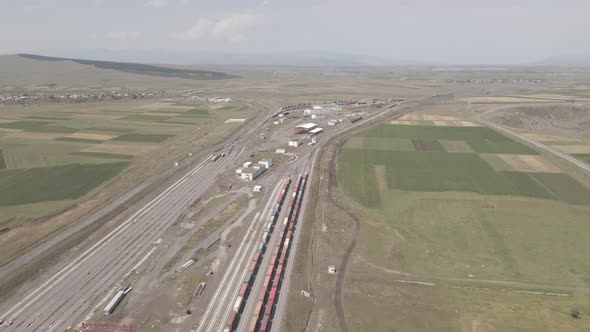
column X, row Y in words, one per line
column 250, row 174
column 239, row 170
column 281, row 150
column 307, row 126
column 257, row 189
column 316, row 131
column 267, row 163
column 247, row 164
column 294, row 142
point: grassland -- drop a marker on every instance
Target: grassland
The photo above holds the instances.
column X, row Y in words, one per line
column 583, row 157
column 479, row 233
column 481, row 139
column 57, row 135
column 24, row 186
column 150, row 138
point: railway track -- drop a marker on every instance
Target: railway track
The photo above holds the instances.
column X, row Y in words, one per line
column 70, row 293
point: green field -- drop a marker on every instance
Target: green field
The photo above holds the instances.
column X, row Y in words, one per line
column 583, row 157
column 151, row 138
column 79, row 140
column 480, row 233
column 103, row 155
column 200, row 112
column 481, row 139
column 439, row 171
column 147, row 118
column 24, row 186
column 393, row 144
column 36, row 126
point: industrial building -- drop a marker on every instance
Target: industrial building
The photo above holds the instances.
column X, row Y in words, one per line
column 294, row 142
column 307, row 126
column 316, row 131
column 250, row 174
column 267, row 163
column 281, row 150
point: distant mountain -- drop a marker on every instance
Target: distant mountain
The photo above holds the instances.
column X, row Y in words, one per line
column 567, row 60
column 138, row 68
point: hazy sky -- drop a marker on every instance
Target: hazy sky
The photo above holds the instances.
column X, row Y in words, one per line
column 445, row 31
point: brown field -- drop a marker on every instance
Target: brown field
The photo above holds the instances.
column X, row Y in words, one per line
column 455, row 123
column 134, row 149
column 162, row 105
column 405, row 122
column 529, row 163
column 30, row 135
column 96, row 116
column 575, row 149
column 381, row 176
column 99, row 137
column 551, row 138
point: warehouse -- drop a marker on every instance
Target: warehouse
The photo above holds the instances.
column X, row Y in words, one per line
column 306, row 126
column 316, row 131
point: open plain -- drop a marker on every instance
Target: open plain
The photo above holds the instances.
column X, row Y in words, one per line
column 431, row 217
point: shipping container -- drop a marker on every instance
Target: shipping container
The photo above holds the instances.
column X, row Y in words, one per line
column 238, row 305
column 264, row 324
column 248, row 278
column 231, row 321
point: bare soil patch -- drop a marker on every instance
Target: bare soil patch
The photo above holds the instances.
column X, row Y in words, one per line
column 166, row 105
column 529, row 163
column 30, row 135
column 381, row 176
column 100, row 137
column 575, row 149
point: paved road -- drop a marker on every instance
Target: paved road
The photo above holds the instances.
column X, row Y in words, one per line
column 70, row 293
column 556, row 152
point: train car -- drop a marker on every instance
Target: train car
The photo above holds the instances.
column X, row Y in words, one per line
column 248, row 278
column 232, row 321
column 253, row 325
column 271, row 298
column 261, row 247
column 239, row 305
column 264, row 324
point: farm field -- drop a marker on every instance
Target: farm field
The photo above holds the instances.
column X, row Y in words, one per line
column 460, row 239
column 96, row 142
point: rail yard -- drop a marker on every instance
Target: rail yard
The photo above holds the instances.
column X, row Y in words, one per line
column 246, row 292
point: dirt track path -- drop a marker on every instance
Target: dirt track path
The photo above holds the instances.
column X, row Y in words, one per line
column 332, row 185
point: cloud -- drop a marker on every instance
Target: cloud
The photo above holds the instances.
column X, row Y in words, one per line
column 158, row 3
column 230, row 27
column 123, row 35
